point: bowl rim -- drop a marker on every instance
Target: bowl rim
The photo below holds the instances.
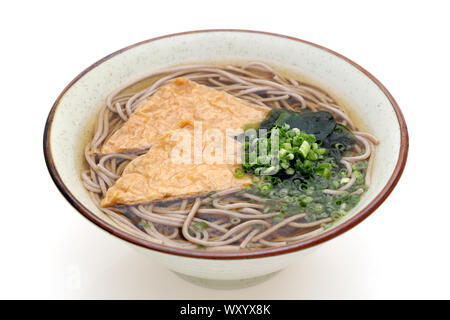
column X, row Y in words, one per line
column 261, row 253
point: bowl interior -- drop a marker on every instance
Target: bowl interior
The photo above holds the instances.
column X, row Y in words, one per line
column 76, row 109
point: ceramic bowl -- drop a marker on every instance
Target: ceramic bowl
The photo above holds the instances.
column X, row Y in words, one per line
column 70, row 124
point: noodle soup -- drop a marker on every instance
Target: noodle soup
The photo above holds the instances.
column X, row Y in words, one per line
column 299, row 162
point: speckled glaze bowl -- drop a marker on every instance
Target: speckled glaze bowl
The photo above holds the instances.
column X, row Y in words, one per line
column 70, row 124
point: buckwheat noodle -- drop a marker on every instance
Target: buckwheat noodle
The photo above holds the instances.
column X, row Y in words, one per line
column 231, row 221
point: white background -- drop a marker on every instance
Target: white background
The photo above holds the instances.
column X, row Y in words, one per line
column 47, row 250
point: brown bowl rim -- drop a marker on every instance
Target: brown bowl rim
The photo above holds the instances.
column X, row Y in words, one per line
column 269, row 252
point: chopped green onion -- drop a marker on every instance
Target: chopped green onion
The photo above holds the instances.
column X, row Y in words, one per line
column 239, row 173
column 278, row 219
column 345, row 180
column 199, row 226
column 143, row 224
column 235, row 220
column 290, row 171
column 304, row 149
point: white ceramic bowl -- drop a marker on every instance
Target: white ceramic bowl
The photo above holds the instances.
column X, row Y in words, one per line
column 70, row 124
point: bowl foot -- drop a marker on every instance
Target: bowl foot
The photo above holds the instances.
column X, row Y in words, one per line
column 226, row 284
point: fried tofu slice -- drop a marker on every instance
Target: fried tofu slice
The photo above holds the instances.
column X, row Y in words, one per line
column 179, row 103
column 170, row 170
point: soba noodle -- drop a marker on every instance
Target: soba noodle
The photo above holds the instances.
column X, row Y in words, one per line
column 233, row 220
